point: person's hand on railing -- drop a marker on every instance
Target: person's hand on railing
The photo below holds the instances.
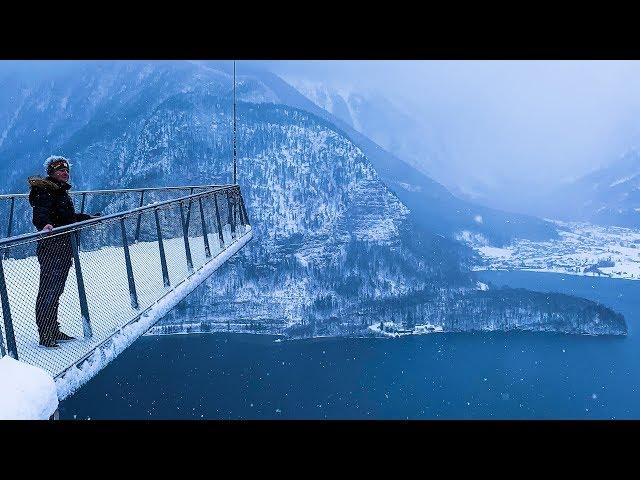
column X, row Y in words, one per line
column 47, row 228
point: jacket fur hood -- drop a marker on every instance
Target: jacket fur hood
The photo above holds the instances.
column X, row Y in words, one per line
column 43, row 182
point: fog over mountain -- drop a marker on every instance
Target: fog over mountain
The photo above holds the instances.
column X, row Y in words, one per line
column 510, row 129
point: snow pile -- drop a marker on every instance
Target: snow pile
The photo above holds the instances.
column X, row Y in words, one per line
column 28, row 392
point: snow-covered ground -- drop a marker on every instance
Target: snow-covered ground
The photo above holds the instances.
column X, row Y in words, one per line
column 108, row 297
column 582, row 249
column 28, row 393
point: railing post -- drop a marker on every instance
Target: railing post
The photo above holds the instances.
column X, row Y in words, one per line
column 84, row 197
column 236, row 213
column 3, row 352
column 163, row 259
column 10, row 226
column 220, row 236
column 185, row 235
column 243, row 210
column 127, row 261
column 230, row 217
column 82, row 294
column 207, row 249
column 139, row 217
column 6, row 315
column 189, row 207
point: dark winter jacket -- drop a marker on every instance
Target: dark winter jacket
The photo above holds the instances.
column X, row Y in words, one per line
column 52, row 204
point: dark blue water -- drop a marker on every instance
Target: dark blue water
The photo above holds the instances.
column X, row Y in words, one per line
column 451, row 376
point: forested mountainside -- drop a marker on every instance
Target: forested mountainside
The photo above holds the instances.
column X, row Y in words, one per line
column 433, row 207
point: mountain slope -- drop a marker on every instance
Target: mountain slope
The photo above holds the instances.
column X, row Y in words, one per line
column 607, row 196
column 387, row 124
column 433, row 206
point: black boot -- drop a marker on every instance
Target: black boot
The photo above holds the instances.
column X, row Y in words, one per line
column 48, row 342
column 63, row 337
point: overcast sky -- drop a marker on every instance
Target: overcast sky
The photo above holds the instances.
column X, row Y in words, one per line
column 513, row 124
column 520, row 123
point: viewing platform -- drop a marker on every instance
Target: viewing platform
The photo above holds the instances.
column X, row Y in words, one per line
column 129, row 268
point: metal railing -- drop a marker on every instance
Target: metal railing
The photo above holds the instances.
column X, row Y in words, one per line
column 96, row 276
column 15, row 209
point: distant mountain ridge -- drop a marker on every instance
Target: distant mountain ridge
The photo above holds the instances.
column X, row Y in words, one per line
column 607, row 196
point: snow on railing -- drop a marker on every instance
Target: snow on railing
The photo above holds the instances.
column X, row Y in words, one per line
column 109, row 271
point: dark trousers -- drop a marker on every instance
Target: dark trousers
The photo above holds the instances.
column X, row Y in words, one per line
column 54, row 256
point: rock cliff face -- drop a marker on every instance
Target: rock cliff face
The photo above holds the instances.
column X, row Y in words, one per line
column 335, row 249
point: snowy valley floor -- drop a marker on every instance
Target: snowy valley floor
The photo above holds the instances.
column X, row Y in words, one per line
column 582, row 249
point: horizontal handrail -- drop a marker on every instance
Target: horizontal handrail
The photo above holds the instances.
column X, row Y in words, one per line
column 28, row 237
column 120, row 190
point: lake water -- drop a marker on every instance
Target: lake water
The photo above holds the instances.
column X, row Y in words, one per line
column 448, row 376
